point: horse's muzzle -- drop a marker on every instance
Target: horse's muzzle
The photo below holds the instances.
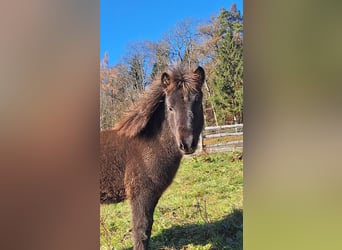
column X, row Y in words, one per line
column 186, row 149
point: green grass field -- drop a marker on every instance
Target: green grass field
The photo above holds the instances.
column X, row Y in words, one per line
column 202, row 209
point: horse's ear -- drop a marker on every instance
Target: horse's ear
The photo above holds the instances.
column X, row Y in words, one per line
column 165, row 79
column 200, row 74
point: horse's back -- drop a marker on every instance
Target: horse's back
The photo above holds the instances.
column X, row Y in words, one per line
column 112, row 167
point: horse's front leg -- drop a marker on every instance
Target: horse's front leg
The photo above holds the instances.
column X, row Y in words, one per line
column 143, row 205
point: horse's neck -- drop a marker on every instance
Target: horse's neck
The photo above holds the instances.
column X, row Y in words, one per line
column 154, row 126
column 158, row 129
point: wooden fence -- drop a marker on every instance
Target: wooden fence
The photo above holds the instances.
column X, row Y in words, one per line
column 221, row 139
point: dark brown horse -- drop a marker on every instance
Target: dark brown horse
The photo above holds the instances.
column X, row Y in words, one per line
column 141, row 155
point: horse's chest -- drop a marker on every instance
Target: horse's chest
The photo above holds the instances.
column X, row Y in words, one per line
column 160, row 160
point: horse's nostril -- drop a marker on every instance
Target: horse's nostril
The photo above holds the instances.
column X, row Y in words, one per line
column 185, row 148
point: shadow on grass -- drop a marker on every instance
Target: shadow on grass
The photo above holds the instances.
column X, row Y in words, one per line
column 222, row 234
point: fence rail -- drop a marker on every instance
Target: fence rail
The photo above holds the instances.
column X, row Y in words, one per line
column 223, row 127
column 222, row 138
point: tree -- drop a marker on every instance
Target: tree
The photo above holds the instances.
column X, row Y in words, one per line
column 160, row 54
column 137, row 61
column 182, row 40
column 105, row 61
column 226, row 81
column 137, row 72
column 107, row 95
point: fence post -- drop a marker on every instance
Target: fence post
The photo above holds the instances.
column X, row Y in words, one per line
column 235, row 123
column 201, row 142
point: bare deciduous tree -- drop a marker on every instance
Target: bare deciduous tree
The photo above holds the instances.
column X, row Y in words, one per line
column 182, row 40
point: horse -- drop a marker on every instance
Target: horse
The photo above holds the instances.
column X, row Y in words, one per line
column 140, row 156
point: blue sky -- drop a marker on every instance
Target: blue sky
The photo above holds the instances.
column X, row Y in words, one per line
column 125, row 21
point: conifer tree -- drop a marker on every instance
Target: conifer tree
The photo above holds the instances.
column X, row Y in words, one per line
column 227, row 80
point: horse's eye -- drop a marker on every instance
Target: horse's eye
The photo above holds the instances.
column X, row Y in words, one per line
column 170, row 108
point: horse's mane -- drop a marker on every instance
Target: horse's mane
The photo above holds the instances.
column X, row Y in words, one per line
column 183, row 77
column 135, row 120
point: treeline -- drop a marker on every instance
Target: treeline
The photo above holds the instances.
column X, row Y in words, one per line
column 216, row 45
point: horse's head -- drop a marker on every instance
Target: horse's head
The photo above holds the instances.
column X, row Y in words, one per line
column 183, row 106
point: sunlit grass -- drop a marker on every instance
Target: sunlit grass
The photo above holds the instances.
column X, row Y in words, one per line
column 202, row 209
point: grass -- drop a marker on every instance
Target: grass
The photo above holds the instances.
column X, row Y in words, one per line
column 202, row 209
